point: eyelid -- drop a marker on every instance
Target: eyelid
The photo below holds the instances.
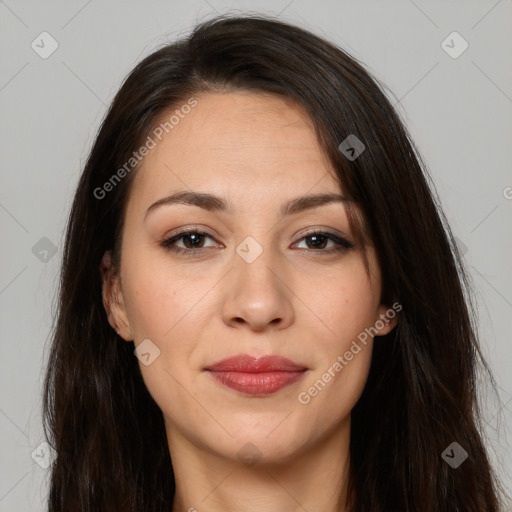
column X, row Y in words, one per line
column 194, row 228
column 308, row 231
column 317, row 230
column 167, row 240
column 340, row 241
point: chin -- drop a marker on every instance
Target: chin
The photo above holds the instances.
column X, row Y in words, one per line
column 261, row 445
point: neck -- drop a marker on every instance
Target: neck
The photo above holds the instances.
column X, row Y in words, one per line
column 313, row 478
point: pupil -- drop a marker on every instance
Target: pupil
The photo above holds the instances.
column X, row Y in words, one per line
column 193, row 236
column 316, row 238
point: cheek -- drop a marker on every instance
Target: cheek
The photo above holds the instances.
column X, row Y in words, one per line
column 342, row 303
column 166, row 310
column 169, row 305
column 160, row 300
column 347, row 306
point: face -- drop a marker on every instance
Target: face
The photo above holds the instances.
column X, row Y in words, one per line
column 252, row 279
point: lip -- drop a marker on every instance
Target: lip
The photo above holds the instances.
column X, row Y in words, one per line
column 256, row 376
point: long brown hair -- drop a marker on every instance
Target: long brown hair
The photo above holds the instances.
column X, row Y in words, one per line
column 421, row 393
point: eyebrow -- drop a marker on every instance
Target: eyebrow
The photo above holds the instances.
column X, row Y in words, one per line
column 214, row 203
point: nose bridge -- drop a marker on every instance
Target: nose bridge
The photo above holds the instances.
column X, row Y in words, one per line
column 257, row 265
column 257, row 294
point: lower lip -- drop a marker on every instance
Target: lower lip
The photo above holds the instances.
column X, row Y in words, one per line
column 263, row 383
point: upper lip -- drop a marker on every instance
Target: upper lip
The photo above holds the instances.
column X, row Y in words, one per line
column 250, row 364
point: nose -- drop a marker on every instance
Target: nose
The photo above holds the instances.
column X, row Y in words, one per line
column 257, row 296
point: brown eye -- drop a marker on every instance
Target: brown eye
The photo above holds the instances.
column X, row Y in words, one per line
column 318, row 240
column 192, row 241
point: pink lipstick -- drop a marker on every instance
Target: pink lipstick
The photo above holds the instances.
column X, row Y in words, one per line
column 253, row 376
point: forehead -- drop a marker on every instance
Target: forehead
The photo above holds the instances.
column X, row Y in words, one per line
column 237, row 143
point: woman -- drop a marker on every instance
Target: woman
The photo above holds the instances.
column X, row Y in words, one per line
column 261, row 304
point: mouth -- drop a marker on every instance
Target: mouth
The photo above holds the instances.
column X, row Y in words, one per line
column 252, row 376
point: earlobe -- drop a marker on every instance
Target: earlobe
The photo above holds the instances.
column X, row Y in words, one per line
column 113, row 300
column 387, row 319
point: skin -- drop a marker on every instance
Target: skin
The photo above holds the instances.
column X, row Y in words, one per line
column 257, row 151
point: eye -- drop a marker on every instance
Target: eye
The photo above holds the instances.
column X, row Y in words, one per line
column 193, row 241
column 317, row 241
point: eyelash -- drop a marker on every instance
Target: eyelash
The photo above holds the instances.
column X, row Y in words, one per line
column 342, row 243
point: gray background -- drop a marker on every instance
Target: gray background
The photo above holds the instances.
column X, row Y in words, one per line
column 458, row 111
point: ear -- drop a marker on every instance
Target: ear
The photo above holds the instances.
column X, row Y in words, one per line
column 387, row 318
column 113, row 300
